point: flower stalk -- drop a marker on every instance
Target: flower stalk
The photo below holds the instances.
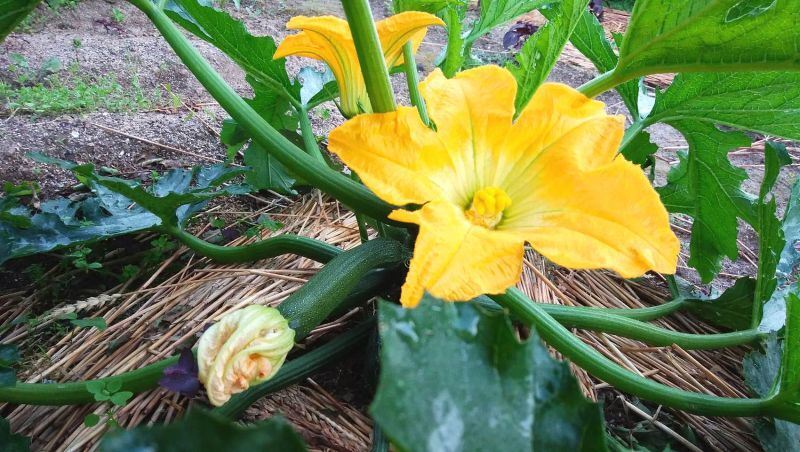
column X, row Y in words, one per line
column 370, row 55
column 412, row 76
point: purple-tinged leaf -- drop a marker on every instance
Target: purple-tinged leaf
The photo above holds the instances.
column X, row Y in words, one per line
column 182, row 377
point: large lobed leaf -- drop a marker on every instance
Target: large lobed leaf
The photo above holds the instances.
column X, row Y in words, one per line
column 708, row 188
column 496, row 13
column 11, row 442
column 732, row 310
column 765, row 102
column 541, row 51
column 118, row 206
column 456, row 378
column 702, row 35
column 202, row 430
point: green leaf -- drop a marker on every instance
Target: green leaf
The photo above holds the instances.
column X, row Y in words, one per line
column 121, row 398
column 8, row 354
column 428, row 6
column 710, row 35
column 202, row 430
column 318, row 86
column 10, row 442
column 12, row 12
column 771, row 242
column 267, row 172
column 539, row 53
column 707, row 187
column 765, row 102
column 456, row 378
column 790, row 257
column 97, row 322
column 497, row 13
column 8, row 376
column 95, row 387
column 789, row 388
column 639, row 149
column 589, row 38
column 254, row 54
column 732, row 310
column 113, row 386
column 91, row 420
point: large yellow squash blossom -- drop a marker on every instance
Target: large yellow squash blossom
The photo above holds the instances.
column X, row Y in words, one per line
column 328, row 39
column 488, row 184
column 245, row 347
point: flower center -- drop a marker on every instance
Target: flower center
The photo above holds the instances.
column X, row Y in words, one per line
column 487, row 207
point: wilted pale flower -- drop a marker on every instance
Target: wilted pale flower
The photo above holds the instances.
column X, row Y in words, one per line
column 246, row 347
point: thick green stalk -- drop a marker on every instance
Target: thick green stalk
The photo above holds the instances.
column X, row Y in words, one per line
column 455, row 43
column 274, row 246
column 642, row 314
column 600, row 84
column 603, row 368
column 412, row 76
column 309, row 140
column 370, row 55
column 309, row 169
column 298, row 369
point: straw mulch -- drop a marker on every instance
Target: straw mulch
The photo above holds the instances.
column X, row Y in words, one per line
column 152, row 321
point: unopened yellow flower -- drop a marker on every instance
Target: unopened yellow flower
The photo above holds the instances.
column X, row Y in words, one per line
column 328, row 39
column 487, row 185
column 245, row 347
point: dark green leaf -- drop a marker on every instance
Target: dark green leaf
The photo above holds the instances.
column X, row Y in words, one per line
column 253, row 53
column 8, row 376
column 770, row 235
column 113, row 386
column 589, row 38
column 766, row 102
column 732, row 310
column 790, row 257
column 12, row 12
column 707, row 187
column 91, row 420
column 428, row 6
column 202, row 430
column 710, row 35
column 97, row 322
column 540, row 52
column 639, row 149
column 10, row 442
column 455, row 378
column 496, row 13
column 8, row 354
column 267, row 172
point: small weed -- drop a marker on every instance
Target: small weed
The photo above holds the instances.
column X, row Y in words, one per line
column 117, row 15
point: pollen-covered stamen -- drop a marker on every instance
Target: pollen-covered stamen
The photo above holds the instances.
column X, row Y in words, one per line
column 487, row 207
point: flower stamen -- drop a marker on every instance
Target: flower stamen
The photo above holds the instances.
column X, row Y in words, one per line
column 487, row 207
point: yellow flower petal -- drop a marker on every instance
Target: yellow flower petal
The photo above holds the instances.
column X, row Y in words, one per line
column 456, row 260
column 395, row 31
column 583, row 207
column 472, row 113
column 388, row 152
column 328, row 39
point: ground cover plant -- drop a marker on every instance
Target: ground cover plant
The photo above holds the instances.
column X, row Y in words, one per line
column 486, row 161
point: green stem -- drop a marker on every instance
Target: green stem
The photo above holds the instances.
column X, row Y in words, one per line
column 370, row 55
column 309, row 140
column 600, row 84
column 631, row 133
column 271, row 247
column 603, row 368
column 298, row 369
column 412, row 76
column 309, row 169
column 380, row 443
column 631, row 324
